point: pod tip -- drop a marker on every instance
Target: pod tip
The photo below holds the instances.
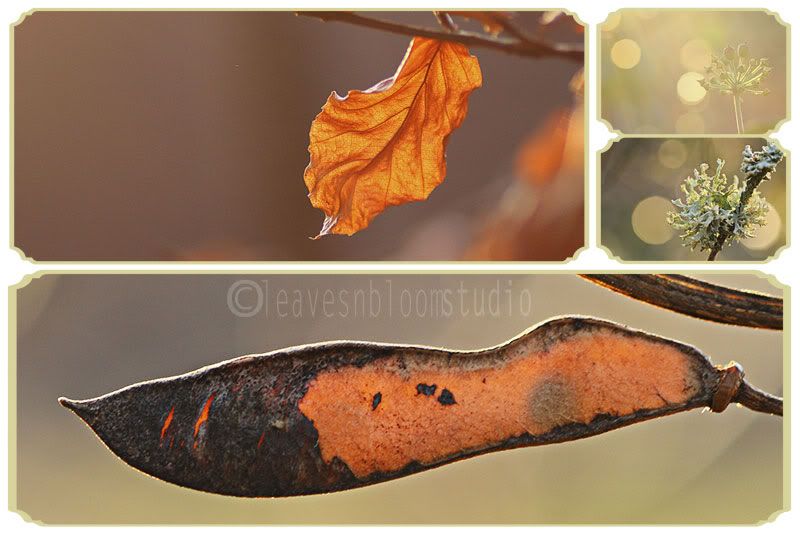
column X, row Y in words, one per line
column 80, row 408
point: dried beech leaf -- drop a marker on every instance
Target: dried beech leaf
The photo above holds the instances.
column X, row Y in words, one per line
column 386, row 146
column 542, row 154
column 335, row 416
column 492, row 21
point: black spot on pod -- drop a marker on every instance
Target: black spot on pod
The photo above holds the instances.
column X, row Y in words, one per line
column 446, row 397
column 426, row 390
column 376, row 400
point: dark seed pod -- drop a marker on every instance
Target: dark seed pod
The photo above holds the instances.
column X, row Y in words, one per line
column 339, row 415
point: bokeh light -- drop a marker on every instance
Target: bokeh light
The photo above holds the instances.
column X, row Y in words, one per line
column 672, row 153
column 690, row 122
column 639, row 175
column 670, row 44
column 649, row 220
column 689, row 89
column 766, row 235
column 626, row 53
column 696, row 55
column 611, row 22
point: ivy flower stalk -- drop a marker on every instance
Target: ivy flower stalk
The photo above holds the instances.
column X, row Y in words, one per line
column 715, row 211
column 736, row 73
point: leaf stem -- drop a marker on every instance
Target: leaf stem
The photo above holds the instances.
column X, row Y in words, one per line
column 521, row 44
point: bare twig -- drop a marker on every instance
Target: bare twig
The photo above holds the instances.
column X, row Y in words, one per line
column 521, row 45
column 445, row 21
column 697, row 298
column 758, row 400
column 733, row 388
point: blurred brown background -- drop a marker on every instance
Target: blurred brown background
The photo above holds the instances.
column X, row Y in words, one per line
column 184, row 135
column 651, row 57
column 85, row 335
column 641, row 176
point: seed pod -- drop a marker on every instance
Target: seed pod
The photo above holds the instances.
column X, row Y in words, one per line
column 334, row 416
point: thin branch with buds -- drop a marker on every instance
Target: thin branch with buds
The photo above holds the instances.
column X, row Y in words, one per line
column 520, row 44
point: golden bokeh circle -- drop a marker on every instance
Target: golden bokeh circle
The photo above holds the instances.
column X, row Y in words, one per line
column 689, row 89
column 672, row 153
column 649, row 220
column 626, row 53
column 611, row 22
column 766, row 235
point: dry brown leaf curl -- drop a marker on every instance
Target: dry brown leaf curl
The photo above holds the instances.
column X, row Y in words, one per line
column 386, row 146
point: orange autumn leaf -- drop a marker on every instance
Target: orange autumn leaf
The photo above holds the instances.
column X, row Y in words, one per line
column 386, row 146
column 542, row 154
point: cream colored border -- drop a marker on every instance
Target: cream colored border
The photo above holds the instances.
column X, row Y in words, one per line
column 487, row 264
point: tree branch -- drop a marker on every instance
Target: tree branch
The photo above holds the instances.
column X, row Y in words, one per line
column 732, row 387
column 757, row 167
column 757, row 400
column 521, row 45
column 725, row 234
column 697, row 299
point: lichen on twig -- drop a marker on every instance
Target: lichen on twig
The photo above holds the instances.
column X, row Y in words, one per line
column 715, row 211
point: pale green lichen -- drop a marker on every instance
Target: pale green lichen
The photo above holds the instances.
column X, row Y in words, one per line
column 716, row 211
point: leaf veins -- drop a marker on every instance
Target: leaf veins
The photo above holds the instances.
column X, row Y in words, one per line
column 386, row 146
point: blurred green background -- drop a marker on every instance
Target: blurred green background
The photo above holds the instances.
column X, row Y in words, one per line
column 649, row 59
column 639, row 178
column 85, row 335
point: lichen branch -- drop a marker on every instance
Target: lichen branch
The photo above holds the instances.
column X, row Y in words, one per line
column 714, row 211
column 520, row 43
column 757, row 167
